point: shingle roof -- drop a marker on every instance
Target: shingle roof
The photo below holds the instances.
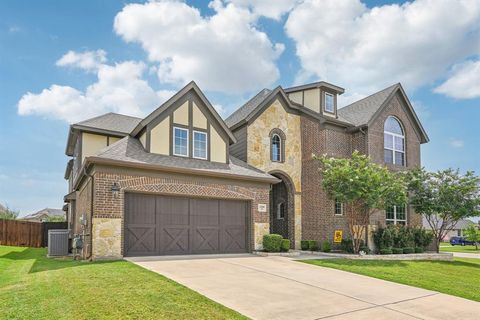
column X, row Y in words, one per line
column 360, row 112
column 111, row 122
column 47, row 211
column 461, row 224
column 242, row 112
column 130, row 149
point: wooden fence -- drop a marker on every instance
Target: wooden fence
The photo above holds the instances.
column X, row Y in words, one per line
column 27, row 233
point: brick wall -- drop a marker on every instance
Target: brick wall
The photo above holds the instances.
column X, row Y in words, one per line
column 318, row 219
column 84, row 206
column 106, row 206
column 396, row 108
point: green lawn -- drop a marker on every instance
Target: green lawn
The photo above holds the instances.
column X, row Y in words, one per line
column 459, row 278
column 34, row 287
column 447, row 247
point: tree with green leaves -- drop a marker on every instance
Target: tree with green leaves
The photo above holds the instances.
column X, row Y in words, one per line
column 55, row 219
column 472, row 233
column 363, row 186
column 444, row 198
column 8, row 214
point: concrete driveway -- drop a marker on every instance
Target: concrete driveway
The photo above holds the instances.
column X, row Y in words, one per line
column 281, row 288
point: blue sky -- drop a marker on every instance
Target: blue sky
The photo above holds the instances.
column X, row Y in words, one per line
column 129, row 58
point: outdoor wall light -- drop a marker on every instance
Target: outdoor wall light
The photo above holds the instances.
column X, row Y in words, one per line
column 115, row 189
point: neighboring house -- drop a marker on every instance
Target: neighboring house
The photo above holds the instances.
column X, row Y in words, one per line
column 457, row 231
column 44, row 214
column 184, row 181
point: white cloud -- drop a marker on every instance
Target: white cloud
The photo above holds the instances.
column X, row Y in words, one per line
column 270, row 9
column 464, row 82
column 366, row 49
column 88, row 60
column 119, row 88
column 456, row 143
column 14, row 29
column 224, row 52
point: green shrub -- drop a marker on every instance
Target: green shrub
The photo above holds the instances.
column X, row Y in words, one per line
column 272, row 242
column 365, row 249
column 347, row 245
column 312, row 245
column 386, row 251
column 285, row 246
column 419, row 250
column 408, row 250
column 304, row 244
column 326, row 246
column 422, row 238
column 397, row 250
column 383, row 238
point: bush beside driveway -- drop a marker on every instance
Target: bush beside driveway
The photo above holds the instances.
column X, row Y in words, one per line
column 34, row 287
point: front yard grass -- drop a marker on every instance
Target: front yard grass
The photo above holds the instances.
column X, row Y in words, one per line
column 465, row 249
column 459, row 278
column 35, row 287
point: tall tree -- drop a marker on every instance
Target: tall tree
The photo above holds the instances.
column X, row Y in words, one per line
column 444, row 198
column 364, row 187
column 7, row 213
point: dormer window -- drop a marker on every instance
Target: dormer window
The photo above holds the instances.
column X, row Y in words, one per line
column 180, row 142
column 276, row 148
column 329, row 103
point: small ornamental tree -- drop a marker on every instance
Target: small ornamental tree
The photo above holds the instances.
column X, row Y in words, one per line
column 363, row 186
column 472, row 233
column 444, row 198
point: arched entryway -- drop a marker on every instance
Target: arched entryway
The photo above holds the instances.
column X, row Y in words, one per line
column 282, row 211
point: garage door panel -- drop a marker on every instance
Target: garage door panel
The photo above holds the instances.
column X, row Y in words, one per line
column 167, row 225
column 141, row 239
column 205, row 240
column 174, row 240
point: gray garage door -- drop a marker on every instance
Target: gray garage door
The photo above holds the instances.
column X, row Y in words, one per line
column 164, row 225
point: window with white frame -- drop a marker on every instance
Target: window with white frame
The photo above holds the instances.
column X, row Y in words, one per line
column 339, row 208
column 180, row 142
column 396, row 215
column 276, row 148
column 281, row 211
column 394, row 142
column 329, row 103
column 199, row 145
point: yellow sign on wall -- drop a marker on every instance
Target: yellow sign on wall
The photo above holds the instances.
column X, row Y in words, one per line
column 337, row 238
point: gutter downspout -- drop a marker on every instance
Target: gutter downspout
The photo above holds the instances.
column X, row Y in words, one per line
column 90, row 227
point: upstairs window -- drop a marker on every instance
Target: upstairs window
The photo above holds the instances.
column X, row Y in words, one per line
column 339, row 208
column 329, row 103
column 394, row 142
column 199, row 145
column 396, row 215
column 276, row 148
column 180, row 142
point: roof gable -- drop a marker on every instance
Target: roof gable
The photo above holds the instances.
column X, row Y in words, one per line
column 364, row 112
column 191, row 87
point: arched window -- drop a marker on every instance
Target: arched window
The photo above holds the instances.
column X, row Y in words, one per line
column 276, row 148
column 394, row 142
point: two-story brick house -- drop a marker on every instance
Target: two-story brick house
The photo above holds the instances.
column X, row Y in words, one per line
column 184, row 181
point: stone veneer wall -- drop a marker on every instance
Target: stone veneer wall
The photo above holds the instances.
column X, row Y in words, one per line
column 109, row 210
column 258, row 155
